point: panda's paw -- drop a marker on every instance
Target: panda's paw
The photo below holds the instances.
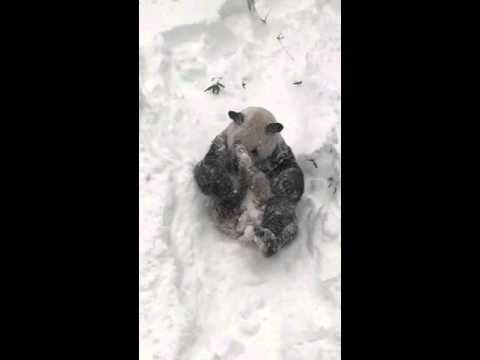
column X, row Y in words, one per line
column 265, row 240
column 242, row 155
column 219, row 143
column 245, row 162
column 248, row 235
column 242, row 222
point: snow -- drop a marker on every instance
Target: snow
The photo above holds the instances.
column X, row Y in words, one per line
column 202, row 295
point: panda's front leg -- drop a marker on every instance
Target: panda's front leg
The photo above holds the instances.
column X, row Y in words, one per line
column 214, row 179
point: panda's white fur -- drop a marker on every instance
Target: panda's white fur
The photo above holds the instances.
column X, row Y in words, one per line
column 253, row 206
column 252, row 133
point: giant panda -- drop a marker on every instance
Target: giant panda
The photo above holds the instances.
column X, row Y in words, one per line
column 223, row 175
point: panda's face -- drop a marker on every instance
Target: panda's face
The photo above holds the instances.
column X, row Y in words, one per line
column 256, row 129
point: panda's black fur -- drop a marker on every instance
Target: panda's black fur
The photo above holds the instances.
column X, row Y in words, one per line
column 218, row 176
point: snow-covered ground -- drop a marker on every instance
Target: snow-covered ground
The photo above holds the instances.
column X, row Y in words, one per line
column 203, row 296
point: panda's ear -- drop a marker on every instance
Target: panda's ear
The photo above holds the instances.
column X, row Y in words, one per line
column 236, row 116
column 273, row 128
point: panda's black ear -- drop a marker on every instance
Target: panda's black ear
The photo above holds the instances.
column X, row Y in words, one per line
column 273, row 128
column 236, row 116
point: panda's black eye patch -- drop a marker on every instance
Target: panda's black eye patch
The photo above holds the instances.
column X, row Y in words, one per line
column 255, row 152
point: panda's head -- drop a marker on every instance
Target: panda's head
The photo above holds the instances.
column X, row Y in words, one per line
column 256, row 129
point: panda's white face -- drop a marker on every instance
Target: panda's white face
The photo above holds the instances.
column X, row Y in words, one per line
column 252, row 127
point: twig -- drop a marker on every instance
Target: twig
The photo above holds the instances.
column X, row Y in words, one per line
column 215, row 88
column 280, row 38
column 313, row 161
column 264, row 20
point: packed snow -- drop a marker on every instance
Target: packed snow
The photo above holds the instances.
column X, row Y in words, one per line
column 204, row 296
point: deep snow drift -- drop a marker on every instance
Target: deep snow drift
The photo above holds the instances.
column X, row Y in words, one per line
column 202, row 295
